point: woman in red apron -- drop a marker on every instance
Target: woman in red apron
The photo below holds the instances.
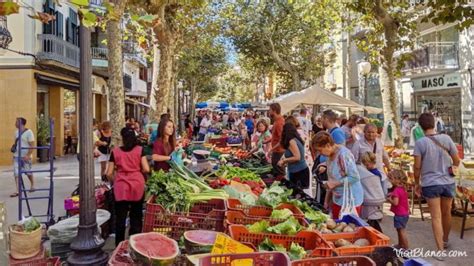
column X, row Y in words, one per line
column 129, row 163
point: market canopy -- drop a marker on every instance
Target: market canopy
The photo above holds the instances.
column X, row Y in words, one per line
column 318, row 96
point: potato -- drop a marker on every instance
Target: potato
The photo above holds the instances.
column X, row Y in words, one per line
column 353, row 226
column 340, row 227
column 348, row 229
column 362, row 242
column 326, row 231
column 331, row 224
column 342, row 243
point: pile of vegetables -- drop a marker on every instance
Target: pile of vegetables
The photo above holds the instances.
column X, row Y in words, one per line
column 256, row 164
column 295, row 252
column 330, row 227
column 361, row 242
column 290, row 226
column 27, row 225
column 229, row 172
column 177, row 192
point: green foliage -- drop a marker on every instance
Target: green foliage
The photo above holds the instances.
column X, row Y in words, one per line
column 42, row 134
column 449, row 11
column 290, row 37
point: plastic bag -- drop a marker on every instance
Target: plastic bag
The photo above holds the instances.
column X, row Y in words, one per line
column 64, row 231
column 177, row 157
column 347, row 207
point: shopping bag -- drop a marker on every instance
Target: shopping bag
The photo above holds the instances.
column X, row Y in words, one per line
column 348, row 206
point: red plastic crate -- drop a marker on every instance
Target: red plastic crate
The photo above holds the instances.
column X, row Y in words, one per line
column 53, row 261
column 207, row 216
column 309, row 240
column 335, row 261
column 258, row 259
column 238, row 217
column 261, row 211
column 375, row 238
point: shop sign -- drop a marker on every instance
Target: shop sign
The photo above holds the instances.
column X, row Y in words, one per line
column 445, row 81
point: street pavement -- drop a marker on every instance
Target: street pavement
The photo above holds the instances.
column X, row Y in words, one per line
column 67, row 178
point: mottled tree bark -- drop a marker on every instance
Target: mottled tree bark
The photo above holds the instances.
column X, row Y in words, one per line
column 115, row 70
column 154, row 79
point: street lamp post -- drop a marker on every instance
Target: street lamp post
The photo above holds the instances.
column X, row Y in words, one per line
column 364, row 68
column 87, row 245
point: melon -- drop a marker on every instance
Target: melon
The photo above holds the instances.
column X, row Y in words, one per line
column 199, row 241
column 153, row 249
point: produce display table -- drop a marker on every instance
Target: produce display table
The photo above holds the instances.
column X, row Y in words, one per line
column 465, row 192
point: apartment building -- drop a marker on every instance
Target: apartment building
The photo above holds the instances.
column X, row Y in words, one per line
column 438, row 78
column 43, row 79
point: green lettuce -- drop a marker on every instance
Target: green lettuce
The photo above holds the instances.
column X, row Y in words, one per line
column 282, row 214
column 296, row 252
column 259, row 227
column 267, row 245
column 274, row 195
column 289, row 227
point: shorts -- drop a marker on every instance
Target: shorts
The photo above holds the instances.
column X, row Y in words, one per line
column 300, row 178
column 103, row 157
column 438, row 191
column 400, row 222
column 26, row 166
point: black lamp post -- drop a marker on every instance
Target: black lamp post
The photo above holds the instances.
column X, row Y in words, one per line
column 88, row 243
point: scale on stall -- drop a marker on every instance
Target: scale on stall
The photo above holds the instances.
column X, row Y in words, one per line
column 200, row 162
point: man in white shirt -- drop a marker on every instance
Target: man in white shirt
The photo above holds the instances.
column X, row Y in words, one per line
column 27, row 141
column 305, row 123
column 204, row 126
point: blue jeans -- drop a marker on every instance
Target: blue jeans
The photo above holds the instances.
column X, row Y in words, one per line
column 201, row 137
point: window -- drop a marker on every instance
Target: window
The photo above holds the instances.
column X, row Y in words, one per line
column 72, row 28
column 143, row 73
column 59, row 25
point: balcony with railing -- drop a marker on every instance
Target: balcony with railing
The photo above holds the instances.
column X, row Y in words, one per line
column 433, row 56
column 95, row 2
column 51, row 47
column 127, row 82
column 100, row 57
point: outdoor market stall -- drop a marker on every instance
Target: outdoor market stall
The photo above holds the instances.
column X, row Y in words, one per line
column 318, row 96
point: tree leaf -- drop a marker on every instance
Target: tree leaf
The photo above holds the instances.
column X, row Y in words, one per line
column 147, row 18
column 80, row 3
column 8, row 8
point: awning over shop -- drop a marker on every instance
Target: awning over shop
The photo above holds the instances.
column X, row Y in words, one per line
column 319, row 96
column 53, row 81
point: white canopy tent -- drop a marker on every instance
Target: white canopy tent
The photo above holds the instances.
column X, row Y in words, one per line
column 318, row 96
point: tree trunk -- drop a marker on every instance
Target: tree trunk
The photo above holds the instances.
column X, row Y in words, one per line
column 389, row 96
column 154, row 79
column 164, row 79
column 115, row 70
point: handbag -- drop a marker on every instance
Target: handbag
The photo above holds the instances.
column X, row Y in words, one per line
column 14, row 146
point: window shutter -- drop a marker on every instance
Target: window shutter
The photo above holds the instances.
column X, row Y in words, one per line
column 60, row 25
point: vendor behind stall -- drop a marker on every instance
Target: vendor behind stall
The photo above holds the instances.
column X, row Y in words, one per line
column 164, row 145
column 264, row 138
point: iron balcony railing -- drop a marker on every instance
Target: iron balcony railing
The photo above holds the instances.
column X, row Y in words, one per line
column 52, row 47
column 95, row 2
column 435, row 55
column 99, row 53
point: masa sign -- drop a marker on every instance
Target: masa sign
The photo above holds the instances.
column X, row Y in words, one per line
column 446, row 81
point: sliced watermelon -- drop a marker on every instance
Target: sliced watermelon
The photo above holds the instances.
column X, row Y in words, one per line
column 153, row 249
column 199, row 241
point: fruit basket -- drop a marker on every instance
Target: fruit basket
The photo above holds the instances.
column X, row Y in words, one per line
column 238, row 217
column 309, row 240
column 335, row 261
column 255, row 259
column 261, row 211
column 374, row 238
column 206, row 215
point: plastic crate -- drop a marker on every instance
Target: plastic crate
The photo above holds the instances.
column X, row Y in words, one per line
column 375, row 238
column 416, row 262
column 219, row 142
column 61, row 250
column 335, row 261
column 238, row 217
column 257, row 259
column 309, row 240
column 53, row 261
column 261, row 211
column 207, row 216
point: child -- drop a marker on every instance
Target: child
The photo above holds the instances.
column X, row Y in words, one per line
column 374, row 196
column 369, row 160
column 399, row 200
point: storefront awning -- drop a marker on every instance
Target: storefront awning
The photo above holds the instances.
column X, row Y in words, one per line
column 47, row 80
